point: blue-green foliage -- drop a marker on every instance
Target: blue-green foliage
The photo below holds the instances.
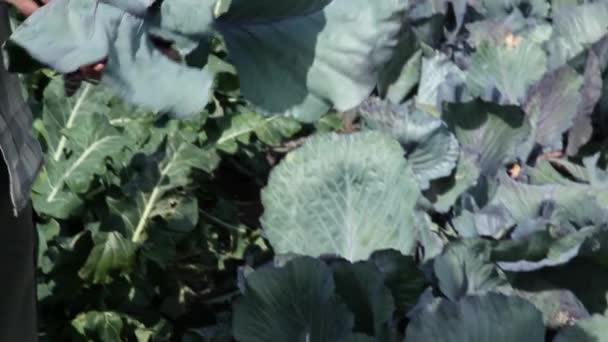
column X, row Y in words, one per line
column 467, row 202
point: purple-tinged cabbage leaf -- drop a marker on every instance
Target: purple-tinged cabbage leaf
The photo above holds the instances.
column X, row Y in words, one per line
column 490, row 317
column 430, row 148
column 592, row 329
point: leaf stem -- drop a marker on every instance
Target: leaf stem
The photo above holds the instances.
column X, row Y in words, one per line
column 140, row 229
column 219, row 222
column 71, row 119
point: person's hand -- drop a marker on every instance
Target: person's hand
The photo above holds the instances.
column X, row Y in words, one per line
column 26, row 7
column 94, row 71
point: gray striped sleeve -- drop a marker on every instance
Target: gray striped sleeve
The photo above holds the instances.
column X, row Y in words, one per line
column 20, row 151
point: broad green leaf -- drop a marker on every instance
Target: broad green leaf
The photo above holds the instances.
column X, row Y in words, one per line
column 151, row 331
column 587, row 179
column 94, row 32
column 553, row 227
column 583, row 277
column 560, row 307
column 440, row 81
column 534, row 8
column 273, row 10
column 444, row 192
column 587, row 330
column 429, row 30
column 135, row 77
column 430, row 242
column 544, row 248
column 491, row 317
column 524, row 201
column 552, row 105
column 99, row 325
column 490, row 133
column 293, row 303
column 362, row 289
column 464, row 269
column 240, row 128
column 491, row 221
column 424, row 9
column 342, row 194
column 576, row 28
column 46, row 233
column 560, row 4
column 61, row 113
column 152, row 190
column 591, row 92
column 358, row 338
column 499, row 68
column 430, row 148
column 90, row 143
column 112, row 254
column 499, row 29
column 290, row 58
column 189, row 18
column 402, row 73
column 81, row 32
column 316, row 37
column 401, row 276
column 544, row 173
column 137, row 7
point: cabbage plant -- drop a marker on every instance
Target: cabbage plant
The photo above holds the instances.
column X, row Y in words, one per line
column 466, row 200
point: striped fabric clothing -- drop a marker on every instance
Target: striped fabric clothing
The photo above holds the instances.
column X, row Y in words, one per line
column 20, row 151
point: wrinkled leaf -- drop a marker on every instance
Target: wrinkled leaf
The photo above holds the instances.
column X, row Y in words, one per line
column 490, row 133
column 429, row 146
column 586, row 330
column 314, row 41
column 491, row 317
column 552, row 105
column 97, row 325
column 338, row 192
column 499, row 68
column 361, row 288
column 294, row 303
column 401, row 276
column 111, row 254
column 464, row 269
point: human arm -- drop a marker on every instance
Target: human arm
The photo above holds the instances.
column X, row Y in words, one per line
column 26, row 7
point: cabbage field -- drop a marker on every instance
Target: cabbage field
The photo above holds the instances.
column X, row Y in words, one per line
column 320, row 170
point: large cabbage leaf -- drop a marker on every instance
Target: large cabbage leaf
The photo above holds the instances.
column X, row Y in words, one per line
column 586, row 330
column 401, row 276
column 293, row 303
column 361, row 287
column 552, row 105
column 299, row 60
column 347, row 195
column 463, row 269
column 491, row 133
column 429, row 146
column 575, row 28
column 497, row 68
column 491, row 317
column 91, row 142
column 85, row 33
column 310, row 57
